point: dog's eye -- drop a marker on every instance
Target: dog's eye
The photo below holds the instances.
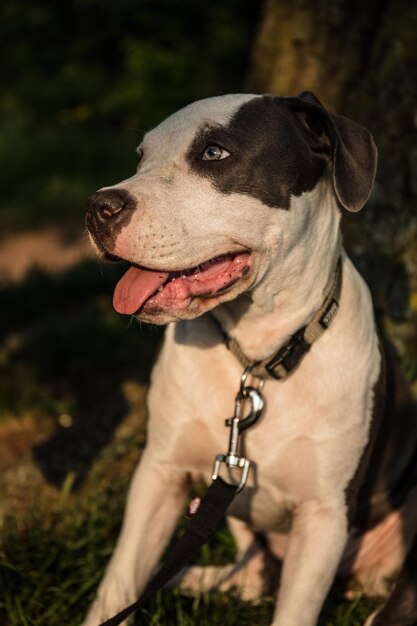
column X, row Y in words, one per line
column 215, row 153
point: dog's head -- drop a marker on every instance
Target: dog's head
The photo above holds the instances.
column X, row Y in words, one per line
column 210, row 197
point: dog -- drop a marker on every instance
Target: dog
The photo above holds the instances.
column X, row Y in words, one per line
column 232, row 228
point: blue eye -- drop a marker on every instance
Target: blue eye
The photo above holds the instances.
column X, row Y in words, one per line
column 215, row 153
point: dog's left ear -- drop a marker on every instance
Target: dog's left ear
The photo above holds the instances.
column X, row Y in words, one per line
column 351, row 148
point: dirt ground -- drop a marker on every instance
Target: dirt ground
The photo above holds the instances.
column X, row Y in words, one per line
column 19, row 254
column 48, row 249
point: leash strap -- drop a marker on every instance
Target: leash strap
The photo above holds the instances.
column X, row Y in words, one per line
column 199, row 529
column 288, row 357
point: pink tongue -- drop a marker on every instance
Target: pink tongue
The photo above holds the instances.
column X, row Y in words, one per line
column 135, row 287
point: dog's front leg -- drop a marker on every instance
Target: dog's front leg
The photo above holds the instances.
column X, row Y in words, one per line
column 155, row 501
column 317, row 539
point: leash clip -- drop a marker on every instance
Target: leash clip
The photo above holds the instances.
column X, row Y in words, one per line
column 237, row 426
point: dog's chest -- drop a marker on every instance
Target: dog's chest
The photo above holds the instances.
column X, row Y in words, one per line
column 284, row 469
column 302, row 448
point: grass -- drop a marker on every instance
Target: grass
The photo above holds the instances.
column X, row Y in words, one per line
column 53, row 559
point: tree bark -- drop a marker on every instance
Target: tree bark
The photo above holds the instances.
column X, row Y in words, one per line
column 359, row 58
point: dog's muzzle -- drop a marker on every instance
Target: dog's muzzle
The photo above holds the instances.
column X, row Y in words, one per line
column 108, row 212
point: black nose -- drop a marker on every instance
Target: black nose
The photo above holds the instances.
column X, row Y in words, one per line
column 109, row 205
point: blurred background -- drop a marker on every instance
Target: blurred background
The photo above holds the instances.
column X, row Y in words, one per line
column 81, row 81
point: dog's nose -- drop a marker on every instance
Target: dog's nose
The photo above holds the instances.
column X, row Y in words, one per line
column 108, row 205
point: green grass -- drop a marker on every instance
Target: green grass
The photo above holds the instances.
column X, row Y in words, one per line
column 53, row 558
column 52, row 561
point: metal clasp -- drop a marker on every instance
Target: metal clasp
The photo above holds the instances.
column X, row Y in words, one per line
column 238, row 425
column 288, row 357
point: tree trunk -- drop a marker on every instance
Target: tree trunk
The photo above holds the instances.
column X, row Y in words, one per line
column 359, row 59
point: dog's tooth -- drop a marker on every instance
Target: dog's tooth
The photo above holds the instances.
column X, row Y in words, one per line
column 160, row 288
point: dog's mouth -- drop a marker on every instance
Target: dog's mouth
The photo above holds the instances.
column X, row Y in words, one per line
column 144, row 289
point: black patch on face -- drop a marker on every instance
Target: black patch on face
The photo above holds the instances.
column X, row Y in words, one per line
column 272, row 156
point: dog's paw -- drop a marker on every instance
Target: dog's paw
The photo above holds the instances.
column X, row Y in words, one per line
column 107, row 605
column 198, row 579
column 97, row 614
column 247, row 581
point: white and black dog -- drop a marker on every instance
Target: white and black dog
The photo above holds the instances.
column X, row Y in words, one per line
column 235, row 210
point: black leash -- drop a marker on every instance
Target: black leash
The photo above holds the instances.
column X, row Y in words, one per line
column 199, row 529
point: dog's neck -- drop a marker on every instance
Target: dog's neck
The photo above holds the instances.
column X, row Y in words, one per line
column 300, row 271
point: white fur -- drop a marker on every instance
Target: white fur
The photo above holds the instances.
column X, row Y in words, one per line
column 309, row 442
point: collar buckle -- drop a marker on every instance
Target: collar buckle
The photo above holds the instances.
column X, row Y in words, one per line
column 288, row 357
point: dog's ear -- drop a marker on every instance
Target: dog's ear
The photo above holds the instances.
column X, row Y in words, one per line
column 349, row 145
